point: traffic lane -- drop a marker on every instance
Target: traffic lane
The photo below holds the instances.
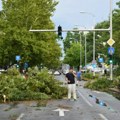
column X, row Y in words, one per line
column 109, row 112
column 11, row 111
column 84, row 108
column 77, row 111
column 109, row 99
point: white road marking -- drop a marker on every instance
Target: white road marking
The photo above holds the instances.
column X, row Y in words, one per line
column 20, row 117
column 103, row 117
column 85, row 99
column 61, row 111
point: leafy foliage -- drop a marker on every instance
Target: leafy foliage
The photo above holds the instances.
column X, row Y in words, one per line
column 101, row 84
column 73, row 55
column 39, row 85
column 116, row 82
column 16, row 19
column 89, row 76
column 116, row 72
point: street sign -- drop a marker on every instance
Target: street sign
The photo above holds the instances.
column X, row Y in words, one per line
column 17, row 58
column 111, row 50
column 110, row 42
column 100, row 60
column 94, row 65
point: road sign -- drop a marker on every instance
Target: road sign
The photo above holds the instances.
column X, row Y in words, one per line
column 111, row 50
column 94, row 65
column 100, row 60
column 17, row 57
column 110, row 42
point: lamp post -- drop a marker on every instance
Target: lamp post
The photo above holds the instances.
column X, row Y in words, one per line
column 83, row 12
column 85, row 34
column 80, row 51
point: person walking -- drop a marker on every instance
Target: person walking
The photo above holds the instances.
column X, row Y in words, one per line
column 79, row 73
column 70, row 78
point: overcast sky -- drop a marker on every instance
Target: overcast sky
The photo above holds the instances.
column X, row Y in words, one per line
column 68, row 14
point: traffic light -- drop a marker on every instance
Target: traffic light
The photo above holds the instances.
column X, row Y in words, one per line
column 110, row 59
column 17, row 66
column 60, row 32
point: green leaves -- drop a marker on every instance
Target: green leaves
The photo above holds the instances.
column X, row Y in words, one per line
column 39, row 85
column 73, row 55
column 16, row 19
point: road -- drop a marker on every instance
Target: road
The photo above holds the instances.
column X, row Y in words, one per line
column 85, row 108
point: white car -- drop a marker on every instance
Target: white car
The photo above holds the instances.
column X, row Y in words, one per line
column 57, row 73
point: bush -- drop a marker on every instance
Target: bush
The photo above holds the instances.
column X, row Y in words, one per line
column 89, row 76
column 116, row 72
column 100, row 84
column 116, row 82
column 38, row 85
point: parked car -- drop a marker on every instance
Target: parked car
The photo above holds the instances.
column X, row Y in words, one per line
column 57, row 72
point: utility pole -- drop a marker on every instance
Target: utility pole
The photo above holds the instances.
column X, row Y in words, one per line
column 111, row 31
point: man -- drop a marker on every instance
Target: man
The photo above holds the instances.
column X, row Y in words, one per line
column 79, row 76
column 70, row 78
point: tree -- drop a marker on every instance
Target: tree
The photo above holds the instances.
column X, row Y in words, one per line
column 69, row 38
column 73, row 55
column 16, row 19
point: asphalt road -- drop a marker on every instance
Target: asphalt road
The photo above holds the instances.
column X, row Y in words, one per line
column 85, row 108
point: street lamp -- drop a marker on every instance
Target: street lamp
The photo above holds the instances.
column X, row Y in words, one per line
column 85, row 34
column 83, row 12
column 80, row 51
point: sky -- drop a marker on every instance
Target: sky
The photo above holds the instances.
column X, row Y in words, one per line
column 68, row 14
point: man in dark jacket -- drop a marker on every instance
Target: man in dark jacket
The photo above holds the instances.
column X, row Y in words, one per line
column 70, row 78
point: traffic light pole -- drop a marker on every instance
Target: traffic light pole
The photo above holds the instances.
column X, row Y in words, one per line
column 111, row 65
column 68, row 30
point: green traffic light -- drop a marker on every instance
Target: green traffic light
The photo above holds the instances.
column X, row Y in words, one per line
column 111, row 61
column 17, row 66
